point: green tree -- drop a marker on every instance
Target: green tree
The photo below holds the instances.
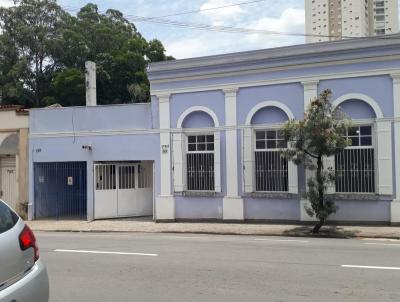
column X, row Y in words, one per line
column 319, row 135
column 12, row 72
column 69, row 87
column 155, row 51
column 43, row 50
column 32, row 25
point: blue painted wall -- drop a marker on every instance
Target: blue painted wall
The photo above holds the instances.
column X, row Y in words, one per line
column 112, row 145
column 130, row 132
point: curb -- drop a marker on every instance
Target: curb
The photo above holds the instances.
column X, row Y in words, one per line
column 272, row 234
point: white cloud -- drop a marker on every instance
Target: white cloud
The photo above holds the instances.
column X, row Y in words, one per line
column 206, row 43
column 188, row 48
column 219, row 16
column 290, row 21
column 6, row 3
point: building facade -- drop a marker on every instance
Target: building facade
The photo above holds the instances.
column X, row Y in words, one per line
column 14, row 124
column 336, row 19
column 208, row 145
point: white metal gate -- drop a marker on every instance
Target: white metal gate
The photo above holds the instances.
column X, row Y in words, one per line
column 123, row 189
column 8, row 181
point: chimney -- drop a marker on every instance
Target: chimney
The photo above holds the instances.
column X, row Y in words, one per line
column 91, row 98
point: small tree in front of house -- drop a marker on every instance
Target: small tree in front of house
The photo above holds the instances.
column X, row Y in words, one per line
column 321, row 134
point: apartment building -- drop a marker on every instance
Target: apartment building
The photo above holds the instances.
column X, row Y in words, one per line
column 336, row 19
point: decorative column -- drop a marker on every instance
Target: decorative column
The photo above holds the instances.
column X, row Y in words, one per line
column 310, row 93
column 233, row 208
column 395, row 205
column 165, row 202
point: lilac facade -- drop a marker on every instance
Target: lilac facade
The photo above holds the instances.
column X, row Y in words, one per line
column 212, row 109
column 263, row 89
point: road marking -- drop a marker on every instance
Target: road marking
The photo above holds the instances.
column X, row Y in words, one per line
column 104, row 252
column 384, row 244
column 381, row 239
column 372, row 267
column 186, row 237
column 282, row 240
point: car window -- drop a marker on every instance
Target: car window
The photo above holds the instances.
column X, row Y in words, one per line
column 7, row 218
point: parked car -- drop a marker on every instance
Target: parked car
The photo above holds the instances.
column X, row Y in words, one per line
column 23, row 275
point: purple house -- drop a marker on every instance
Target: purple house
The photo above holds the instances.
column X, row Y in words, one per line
column 208, row 146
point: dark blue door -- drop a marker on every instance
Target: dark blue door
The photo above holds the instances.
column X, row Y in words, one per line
column 60, row 190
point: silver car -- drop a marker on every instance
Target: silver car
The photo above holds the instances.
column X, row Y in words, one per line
column 23, row 276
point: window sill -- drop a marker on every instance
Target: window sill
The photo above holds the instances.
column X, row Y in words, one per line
column 356, row 196
column 272, row 195
column 200, row 194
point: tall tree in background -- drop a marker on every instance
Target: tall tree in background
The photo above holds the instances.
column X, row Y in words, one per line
column 44, row 49
column 29, row 29
column 321, row 134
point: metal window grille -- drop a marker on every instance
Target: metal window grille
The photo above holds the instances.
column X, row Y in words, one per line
column 126, row 177
column 105, row 177
column 271, row 167
column 144, row 177
column 355, row 166
column 200, row 163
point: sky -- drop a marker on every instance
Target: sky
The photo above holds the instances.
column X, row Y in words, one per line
column 274, row 15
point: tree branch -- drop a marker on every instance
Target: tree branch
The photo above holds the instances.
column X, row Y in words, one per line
column 309, row 154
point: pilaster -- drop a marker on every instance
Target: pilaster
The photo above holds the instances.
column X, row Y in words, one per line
column 395, row 205
column 310, row 93
column 165, row 203
column 232, row 203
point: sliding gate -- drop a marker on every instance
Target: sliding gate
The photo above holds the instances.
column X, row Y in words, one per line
column 123, row 189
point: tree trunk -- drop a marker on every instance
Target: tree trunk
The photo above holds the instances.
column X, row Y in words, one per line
column 318, row 226
column 321, row 197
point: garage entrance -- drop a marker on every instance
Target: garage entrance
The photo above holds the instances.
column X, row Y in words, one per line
column 60, row 190
column 123, row 189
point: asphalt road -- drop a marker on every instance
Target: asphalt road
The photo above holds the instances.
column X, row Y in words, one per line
column 168, row 267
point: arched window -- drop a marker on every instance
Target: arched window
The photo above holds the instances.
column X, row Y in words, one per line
column 196, row 150
column 365, row 166
column 265, row 167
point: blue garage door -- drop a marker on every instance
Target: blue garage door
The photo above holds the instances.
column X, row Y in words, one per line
column 60, row 190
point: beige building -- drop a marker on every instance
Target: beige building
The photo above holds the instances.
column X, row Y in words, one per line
column 14, row 125
column 336, row 19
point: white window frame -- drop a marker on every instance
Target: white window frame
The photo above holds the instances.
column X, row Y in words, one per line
column 198, row 152
column 179, row 147
column 267, row 150
column 383, row 142
column 249, row 170
column 179, row 165
column 362, row 123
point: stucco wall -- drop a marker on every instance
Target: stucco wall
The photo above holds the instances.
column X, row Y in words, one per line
column 114, row 132
column 131, row 132
column 13, row 123
column 379, row 88
column 9, row 119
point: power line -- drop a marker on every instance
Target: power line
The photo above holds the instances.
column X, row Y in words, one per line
column 195, row 11
column 230, row 29
column 206, row 27
column 207, row 9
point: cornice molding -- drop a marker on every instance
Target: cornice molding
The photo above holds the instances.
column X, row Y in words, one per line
column 230, row 91
column 313, row 84
column 163, row 97
column 310, row 50
column 277, row 81
column 395, row 77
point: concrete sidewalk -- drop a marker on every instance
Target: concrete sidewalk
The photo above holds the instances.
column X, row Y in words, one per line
column 146, row 226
